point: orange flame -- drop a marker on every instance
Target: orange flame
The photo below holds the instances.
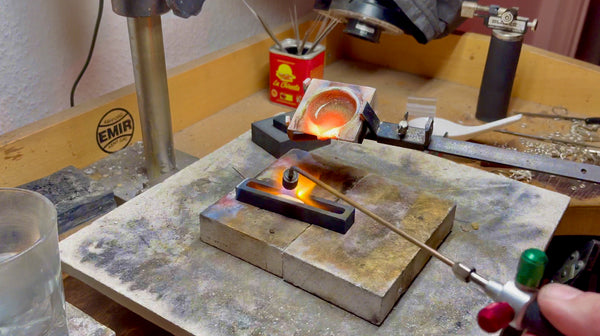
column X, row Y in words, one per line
column 302, row 191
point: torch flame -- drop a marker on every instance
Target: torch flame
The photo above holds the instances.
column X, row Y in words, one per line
column 304, row 190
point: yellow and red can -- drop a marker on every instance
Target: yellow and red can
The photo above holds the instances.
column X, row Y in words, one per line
column 288, row 71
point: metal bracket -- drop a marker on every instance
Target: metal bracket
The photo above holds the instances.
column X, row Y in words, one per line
column 271, row 135
column 582, row 268
column 388, row 133
column 422, row 139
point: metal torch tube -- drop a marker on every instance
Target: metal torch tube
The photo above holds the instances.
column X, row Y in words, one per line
column 498, row 75
column 378, row 219
column 150, row 73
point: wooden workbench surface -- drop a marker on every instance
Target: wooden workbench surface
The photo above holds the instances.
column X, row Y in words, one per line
column 217, row 81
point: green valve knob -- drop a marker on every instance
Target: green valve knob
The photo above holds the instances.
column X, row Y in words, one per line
column 531, row 268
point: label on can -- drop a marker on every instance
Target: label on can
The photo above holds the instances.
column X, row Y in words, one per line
column 288, row 72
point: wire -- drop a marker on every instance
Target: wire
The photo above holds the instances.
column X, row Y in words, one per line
column 90, row 53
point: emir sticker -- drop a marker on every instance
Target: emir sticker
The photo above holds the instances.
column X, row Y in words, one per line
column 115, row 130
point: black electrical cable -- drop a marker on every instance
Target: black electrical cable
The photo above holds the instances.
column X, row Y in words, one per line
column 89, row 57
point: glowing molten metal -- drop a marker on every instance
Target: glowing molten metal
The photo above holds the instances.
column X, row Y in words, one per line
column 328, row 112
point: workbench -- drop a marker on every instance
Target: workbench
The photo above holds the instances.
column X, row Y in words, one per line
column 206, row 119
column 249, row 160
column 147, row 254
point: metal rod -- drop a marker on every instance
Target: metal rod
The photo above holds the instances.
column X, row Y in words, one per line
column 150, row 73
column 296, row 27
column 264, row 24
column 323, row 26
column 478, row 280
column 588, row 121
column 328, row 30
column 509, row 157
column 547, row 139
column 307, row 34
column 378, row 219
column 548, row 116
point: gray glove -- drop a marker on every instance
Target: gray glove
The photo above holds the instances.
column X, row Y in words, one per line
column 185, row 8
column 435, row 18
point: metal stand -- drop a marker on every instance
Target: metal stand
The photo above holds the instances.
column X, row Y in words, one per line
column 150, row 73
column 499, row 75
column 508, row 29
column 402, row 135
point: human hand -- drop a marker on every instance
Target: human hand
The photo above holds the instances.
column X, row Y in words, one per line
column 572, row 311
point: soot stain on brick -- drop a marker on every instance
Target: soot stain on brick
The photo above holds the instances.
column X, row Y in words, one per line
column 340, row 174
column 205, row 188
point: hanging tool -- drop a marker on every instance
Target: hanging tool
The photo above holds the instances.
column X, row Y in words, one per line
column 587, row 121
column 515, row 302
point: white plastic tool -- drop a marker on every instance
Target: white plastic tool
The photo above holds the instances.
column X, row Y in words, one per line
column 461, row 132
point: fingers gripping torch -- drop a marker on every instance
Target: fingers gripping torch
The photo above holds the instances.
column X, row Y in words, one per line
column 515, row 303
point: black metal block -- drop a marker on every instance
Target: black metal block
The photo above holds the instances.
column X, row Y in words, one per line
column 77, row 198
column 333, row 216
column 270, row 134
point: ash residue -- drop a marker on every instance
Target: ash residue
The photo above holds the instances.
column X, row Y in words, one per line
column 484, row 198
column 146, row 256
column 205, row 190
column 138, row 257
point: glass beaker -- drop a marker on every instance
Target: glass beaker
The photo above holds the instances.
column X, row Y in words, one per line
column 31, row 291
